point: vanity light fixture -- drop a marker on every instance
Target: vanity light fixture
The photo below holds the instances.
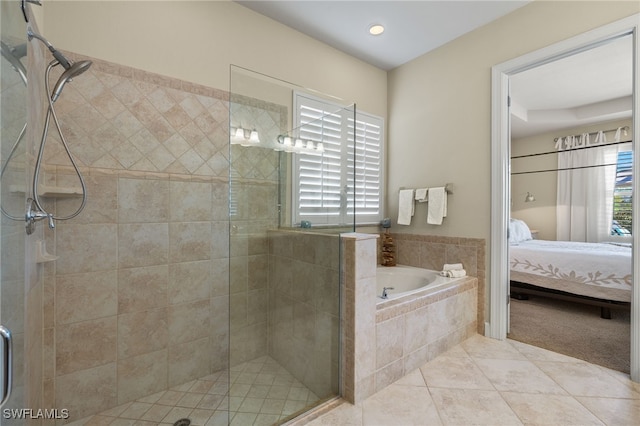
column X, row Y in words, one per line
column 244, row 137
column 376, row 29
column 299, row 146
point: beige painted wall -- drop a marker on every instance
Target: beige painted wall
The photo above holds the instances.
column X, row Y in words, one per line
column 197, row 41
column 439, row 125
column 440, row 108
column 541, row 214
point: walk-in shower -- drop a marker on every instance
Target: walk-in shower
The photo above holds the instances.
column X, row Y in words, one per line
column 284, row 301
column 187, row 288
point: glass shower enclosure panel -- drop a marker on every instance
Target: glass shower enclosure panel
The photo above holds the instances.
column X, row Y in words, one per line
column 13, row 113
column 284, row 271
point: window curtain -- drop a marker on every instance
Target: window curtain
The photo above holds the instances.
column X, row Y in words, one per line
column 585, row 193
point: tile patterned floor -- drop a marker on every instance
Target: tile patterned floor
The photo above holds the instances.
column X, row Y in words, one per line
column 489, row 382
column 262, row 393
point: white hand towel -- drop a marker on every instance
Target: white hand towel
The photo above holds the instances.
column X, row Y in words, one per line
column 421, row 195
column 405, row 207
column 437, row 205
column 452, row 266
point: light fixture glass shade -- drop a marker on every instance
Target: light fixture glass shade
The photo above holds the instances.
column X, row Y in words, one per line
column 287, row 141
column 253, row 137
column 299, row 143
column 239, row 134
column 320, row 147
column 310, row 145
column 529, row 198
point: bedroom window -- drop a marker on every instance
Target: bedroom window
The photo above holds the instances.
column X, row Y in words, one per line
column 622, row 195
column 324, row 192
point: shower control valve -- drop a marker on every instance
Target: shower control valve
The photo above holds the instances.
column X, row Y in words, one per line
column 34, row 214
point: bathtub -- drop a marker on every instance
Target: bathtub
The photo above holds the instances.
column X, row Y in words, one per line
column 407, row 280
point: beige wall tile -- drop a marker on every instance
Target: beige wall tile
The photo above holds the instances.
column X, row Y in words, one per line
column 389, row 341
column 85, row 344
column 189, row 241
column 189, row 281
column 81, row 297
column 143, row 288
column 96, row 386
column 143, row 244
column 101, row 206
column 142, row 375
column 142, row 332
column 219, row 240
column 190, row 201
column 219, row 277
column 86, row 248
column 189, row 321
column 133, row 194
column 189, row 362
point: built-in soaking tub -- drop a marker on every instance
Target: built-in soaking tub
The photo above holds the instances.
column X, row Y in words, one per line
column 401, row 281
column 424, row 315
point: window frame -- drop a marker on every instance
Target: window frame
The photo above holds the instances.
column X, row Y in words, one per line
column 344, row 214
column 625, row 148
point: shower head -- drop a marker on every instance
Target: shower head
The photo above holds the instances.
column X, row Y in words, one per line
column 62, row 60
column 13, row 55
column 75, row 69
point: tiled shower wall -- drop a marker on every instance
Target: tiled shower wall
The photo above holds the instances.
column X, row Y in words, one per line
column 304, row 308
column 138, row 299
column 253, row 211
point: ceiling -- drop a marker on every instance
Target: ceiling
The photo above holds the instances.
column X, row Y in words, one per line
column 582, row 89
column 586, row 88
column 412, row 28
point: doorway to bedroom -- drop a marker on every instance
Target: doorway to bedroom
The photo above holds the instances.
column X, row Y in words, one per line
column 543, row 212
column 570, row 239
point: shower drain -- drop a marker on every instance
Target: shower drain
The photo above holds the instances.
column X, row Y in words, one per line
column 182, row 422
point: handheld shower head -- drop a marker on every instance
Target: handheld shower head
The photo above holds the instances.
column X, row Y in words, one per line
column 13, row 55
column 74, row 70
column 56, row 54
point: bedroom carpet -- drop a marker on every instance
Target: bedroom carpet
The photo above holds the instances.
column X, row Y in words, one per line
column 574, row 330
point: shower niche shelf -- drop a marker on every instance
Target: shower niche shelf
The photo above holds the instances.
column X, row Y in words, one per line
column 49, row 191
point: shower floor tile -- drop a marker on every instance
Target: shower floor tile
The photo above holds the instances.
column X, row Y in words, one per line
column 260, row 392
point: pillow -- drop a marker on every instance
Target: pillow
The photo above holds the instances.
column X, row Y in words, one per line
column 518, row 231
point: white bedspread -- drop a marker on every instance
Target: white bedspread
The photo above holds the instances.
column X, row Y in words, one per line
column 596, row 270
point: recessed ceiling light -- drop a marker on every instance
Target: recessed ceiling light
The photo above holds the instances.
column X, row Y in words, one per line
column 376, row 29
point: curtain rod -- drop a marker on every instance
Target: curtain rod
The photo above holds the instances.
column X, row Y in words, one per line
column 567, row 168
column 571, row 149
column 625, row 128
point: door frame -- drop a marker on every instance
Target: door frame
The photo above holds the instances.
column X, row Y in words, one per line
column 497, row 325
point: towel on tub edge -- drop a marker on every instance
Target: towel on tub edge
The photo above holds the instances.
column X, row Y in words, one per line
column 454, row 273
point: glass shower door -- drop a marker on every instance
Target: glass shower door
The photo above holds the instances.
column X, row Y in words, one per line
column 13, row 95
column 284, row 273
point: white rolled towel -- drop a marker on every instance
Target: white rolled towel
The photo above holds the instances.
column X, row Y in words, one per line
column 452, row 266
column 454, row 273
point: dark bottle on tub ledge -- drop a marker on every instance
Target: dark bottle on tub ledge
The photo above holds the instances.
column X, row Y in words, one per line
column 388, row 246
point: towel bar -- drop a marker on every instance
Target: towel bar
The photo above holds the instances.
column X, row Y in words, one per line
column 447, row 187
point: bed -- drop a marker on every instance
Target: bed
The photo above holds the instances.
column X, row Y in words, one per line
column 594, row 273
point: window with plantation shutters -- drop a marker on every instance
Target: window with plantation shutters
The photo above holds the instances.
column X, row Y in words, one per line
column 346, row 178
column 622, row 195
